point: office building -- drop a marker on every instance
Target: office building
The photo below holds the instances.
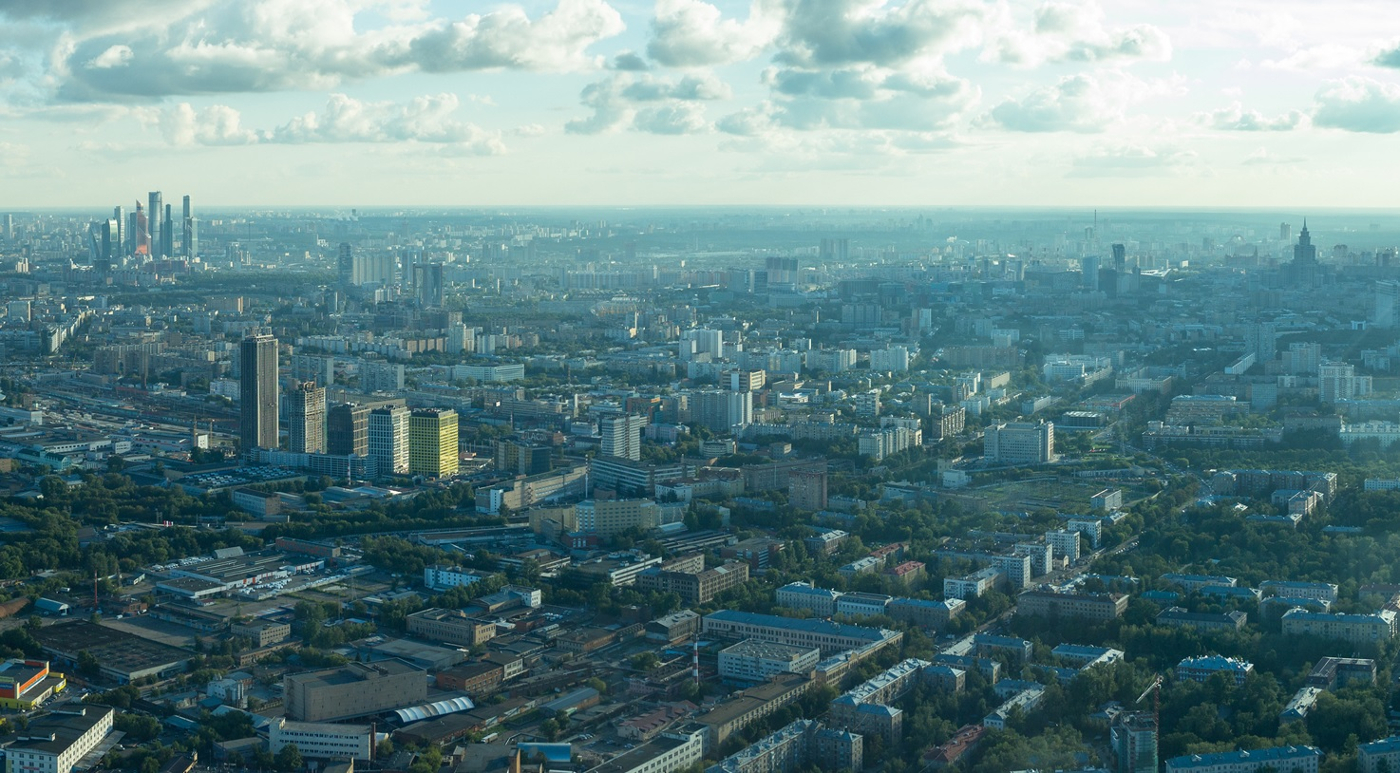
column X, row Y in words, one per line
column 56, row 742
column 608, row 517
column 432, row 442
column 347, row 430
column 120, row 247
column 1020, row 443
column 189, row 237
column 752, row 660
column 306, row 419
column 154, row 210
column 353, row 690
column 167, row 234
column 694, row 587
column 829, row 637
column 141, row 232
column 450, row 626
column 428, row 284
column 345, row 265
column 321, row 740
column 622, row 435
column 803, row 595
column 388, row 439
column 381, row 377
column 26, row 684
column 257, row 393
column 518, row 457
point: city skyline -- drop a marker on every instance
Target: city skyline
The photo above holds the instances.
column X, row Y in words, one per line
column 789, row 102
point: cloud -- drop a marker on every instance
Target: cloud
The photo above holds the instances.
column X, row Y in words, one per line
column 629, row 61
column 1076, row 32
column 425, row 119
column 272, row 45
column 1262, row 157
column 672, row 118
column 116, row 56
column 698, row 86
column 528, row 130
column 1130, row 160
column 1327, row 56
column 824, row 33
column 184, row 126
column 1358, row 104
column 1389, row 57
column 1237, row 118
column 1085, row 103
column 694, row 33
column 615, row 103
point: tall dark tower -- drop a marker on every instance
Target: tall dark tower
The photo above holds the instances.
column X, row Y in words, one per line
column 1304, row 251
column 189, row 236
column 167, row 234
column 153, row 213
column 345, row 265
column 257, row 392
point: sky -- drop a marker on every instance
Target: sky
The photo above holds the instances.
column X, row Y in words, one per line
column 1128, row 103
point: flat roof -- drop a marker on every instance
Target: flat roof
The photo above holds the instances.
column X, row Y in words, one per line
column 116, row 650
column 54, row 733
column 354, row 672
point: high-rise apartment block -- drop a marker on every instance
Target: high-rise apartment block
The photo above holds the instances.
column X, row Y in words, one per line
column 347, row 430
column 388, row 439
column 257, row 362
column 622, row 435
column 306, row 419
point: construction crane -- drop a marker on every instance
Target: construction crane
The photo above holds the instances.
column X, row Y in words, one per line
column 1156, row 689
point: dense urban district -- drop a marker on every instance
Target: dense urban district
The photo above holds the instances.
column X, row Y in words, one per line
column 668, row 491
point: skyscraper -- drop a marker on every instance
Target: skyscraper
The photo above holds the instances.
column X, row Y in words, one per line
column 1304, row 252
column 121, row 247
column 142, row 233
column 347, row 430
column 189, row 236
column 257, row 358
column 432, row 442
column 154, row 209
column 306, row 418
column 167, row 234
column 427, row 282
column 388, row 439
column 345, row 265
column 622, row 435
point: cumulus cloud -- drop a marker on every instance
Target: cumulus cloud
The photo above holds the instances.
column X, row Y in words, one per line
column 672, row 118
column 632, row 100
column 116, row 56
column 1389, row 57
column 269, row 45
column 426, row 119
column 184, row 126
column 1327, row 56
column 824, row 33
column 1077, row 32
column 1358, row 104
column 694, row 33
column 629, row 61
column 1237, row 118
column 1088, row 102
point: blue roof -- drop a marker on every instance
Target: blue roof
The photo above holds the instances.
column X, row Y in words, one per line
column 1277, row 753
column 794, row 624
